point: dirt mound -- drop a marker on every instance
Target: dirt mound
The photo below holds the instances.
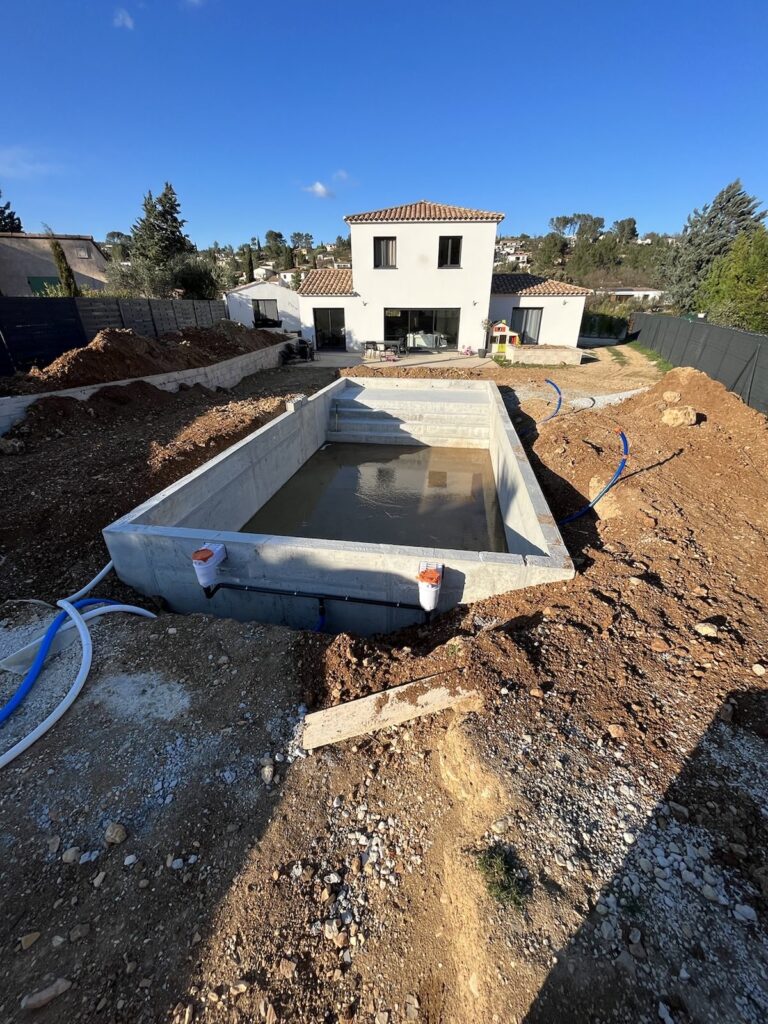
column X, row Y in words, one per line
column 119, row 354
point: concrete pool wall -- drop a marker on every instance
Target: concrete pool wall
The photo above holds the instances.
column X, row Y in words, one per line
column 152, row 545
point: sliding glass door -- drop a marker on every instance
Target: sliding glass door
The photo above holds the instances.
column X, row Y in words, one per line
column 329, row 328
column 527, row 323
column 422, row 328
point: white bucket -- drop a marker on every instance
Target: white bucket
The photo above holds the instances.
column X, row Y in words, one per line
column 205, row 562
column 428, row 595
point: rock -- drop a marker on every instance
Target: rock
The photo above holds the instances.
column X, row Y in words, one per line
column 58, row 940
column 99, row 879
column 635, row 936
column 725, row 714
column 665, row 1015
column 709, row 893
column 758, row 669
column 286, row 968
column 382, row 1017
column 267, row 774
column 500, row 826
column 115, row 833
column 130, row 860
column 412, row 1007
column 684, row 416
column 608, row 507
column 71, row 855
column 706, row 629
column 536, row 691
column 80, row 931
column 36, row 1000
column 177, row 864
column 628, row 838
column 11, row 446
column 625, row 962
column 238, row 987
column 29, row 939
column 671, row 397
column 55, row 843
column 616, row 732
column 741, row 912
column 637, row 949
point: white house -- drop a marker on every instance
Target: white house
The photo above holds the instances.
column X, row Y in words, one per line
column 289, row 276
column 541, row 311
column 264, row 304
column 422, row 279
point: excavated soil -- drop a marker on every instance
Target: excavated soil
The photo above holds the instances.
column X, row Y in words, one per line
column 119, row 354
column 618, row 763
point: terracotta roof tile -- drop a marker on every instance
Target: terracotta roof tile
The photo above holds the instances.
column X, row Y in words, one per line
column 327, row 282
column 531, row 284
column 423, row 210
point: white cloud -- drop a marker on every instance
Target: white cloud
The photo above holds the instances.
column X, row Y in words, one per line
column 122, row 19
column 320, row 190
column 340, row 175
column 20, row 162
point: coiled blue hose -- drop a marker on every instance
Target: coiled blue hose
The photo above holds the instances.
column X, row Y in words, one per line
column 36, row 667
column 608, row 486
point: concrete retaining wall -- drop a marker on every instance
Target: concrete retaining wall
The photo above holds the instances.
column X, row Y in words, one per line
column 219, row 375
column 152, row 546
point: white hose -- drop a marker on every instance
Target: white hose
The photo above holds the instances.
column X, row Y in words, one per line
column 21, row 660
column 82, row 675
column 89, row 586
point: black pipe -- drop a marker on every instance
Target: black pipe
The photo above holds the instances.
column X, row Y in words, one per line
column 251, row 588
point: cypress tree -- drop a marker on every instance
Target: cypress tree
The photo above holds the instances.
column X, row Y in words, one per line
column 66, row 276
column 248, row 264
column 708, row 234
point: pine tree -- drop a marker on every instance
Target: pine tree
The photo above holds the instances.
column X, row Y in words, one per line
column 67, row 278
column 158, row 235
column 9, row 221
column 708, row 234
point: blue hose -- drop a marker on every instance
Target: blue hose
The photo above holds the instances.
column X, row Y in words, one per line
column 608, row 486
column 559, row 402
column 37, row 665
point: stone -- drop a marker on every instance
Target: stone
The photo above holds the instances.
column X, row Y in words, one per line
column 267, row 774
column 709, row 893
column 629, row 838
column 382, row 1017
column 635, row 935
column 758, row 669
column 743, row 913
column 637, row 949
column 55, row 843
column 536, row 691
column 706, row 629
column 80, row 931
column 684, row 416
column 130, row 860
column 286, row 968
column 58, row 940
column 671, row 397
column 11, row 446
column 36, row 1000
column 177, row 864
column 99, row 879
column 238, row 987
column 608, row 507
column 725, row 714
column 616, row 732
column 625, row 962
column 500, row 826
column 29, row 939
column 115, row 833
column 71, row 855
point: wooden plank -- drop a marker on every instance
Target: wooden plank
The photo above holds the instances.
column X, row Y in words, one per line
column 389, row 707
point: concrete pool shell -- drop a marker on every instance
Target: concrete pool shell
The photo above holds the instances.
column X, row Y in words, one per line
column 152, row 546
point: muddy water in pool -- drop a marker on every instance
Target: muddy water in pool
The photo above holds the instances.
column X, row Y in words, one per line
column 389, row 494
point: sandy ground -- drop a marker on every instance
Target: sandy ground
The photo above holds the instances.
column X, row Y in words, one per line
column 616, row 764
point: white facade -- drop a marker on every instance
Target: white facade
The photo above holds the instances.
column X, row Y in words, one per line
column 560, row 316
column 240, row 303
column 416, row 281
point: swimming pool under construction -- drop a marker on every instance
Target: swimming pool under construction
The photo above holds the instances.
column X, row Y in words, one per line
column 327, row 515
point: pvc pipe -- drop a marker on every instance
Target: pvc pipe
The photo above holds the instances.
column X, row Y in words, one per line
column 94, row 583
column 37, row 665
column 20, row 661
column 559, row 401
column 74, row 690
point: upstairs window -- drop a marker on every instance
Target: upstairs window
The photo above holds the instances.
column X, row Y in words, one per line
column 384, row 253
column 82, row 253
column 449, row 251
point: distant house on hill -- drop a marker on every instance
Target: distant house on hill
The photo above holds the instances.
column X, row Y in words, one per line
column 27, row 264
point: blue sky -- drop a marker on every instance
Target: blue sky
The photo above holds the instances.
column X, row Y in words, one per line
column 289, row 115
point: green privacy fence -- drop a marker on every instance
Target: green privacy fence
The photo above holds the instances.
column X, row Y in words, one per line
column 738, row 359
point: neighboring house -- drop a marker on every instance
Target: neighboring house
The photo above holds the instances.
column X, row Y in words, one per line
column 264, row 304
column 422, row 279
column 288, row 276
column 622, row 294
column 541, row 311
column 27, row 264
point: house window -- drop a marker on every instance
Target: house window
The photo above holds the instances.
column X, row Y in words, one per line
column 527, row 323
column 39, row 285
column 82, row 254
column 449, row 251
column 384, row 253
column 265, row 313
